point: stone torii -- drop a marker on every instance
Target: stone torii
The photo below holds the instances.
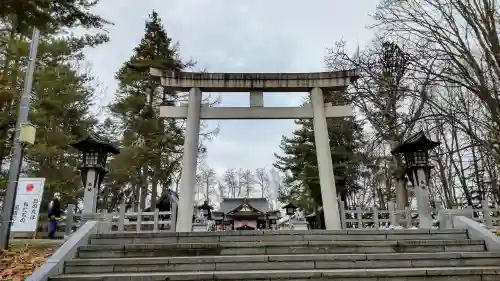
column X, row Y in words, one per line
column 256, row 84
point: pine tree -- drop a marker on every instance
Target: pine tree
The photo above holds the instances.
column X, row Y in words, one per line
column 299, row 162
column 50, row 16
column 151, row 145
column 60, row 110
column 17, row 18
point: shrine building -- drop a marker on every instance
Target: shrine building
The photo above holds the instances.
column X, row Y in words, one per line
column 245, row 214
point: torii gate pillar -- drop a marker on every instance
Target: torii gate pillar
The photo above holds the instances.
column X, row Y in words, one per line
column 325, row 166
column 189, row 162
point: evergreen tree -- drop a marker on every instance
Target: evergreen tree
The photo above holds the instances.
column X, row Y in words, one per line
column 61, row 96
column 50, row 16
column 299, row 162
column 60, row 109
column 17, row 18
column 61, row 112
column 151, row 145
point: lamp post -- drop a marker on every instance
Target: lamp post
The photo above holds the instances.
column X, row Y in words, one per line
column 206, row 209
column 416, row 153
column 17, row 147
column 95, row 151
column 27, row 134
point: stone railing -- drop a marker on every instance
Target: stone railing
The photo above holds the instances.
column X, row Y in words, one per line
column 377, row 218
column 54, row 265
column 120, row 221
column 408, row 218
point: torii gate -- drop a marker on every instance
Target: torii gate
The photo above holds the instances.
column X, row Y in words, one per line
column 256, row 84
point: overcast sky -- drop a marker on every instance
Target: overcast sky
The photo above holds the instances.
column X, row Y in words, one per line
column 238, row 36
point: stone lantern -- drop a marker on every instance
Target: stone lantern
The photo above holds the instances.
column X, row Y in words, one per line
column 206, row 209
column 95, row 151
column 415, row 150
column 290, row 209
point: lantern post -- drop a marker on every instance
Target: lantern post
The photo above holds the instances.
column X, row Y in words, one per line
column 416, row 154
column 95, row 151
column 290, row 210
column 206, row 209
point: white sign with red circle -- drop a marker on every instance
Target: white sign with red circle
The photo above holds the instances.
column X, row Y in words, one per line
column 27, row 207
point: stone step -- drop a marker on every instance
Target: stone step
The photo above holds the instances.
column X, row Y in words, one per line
column 283, row 262
column 282, row 235
column 280, row 232
column 395, row 274
column 279, row 248
column 125, row 238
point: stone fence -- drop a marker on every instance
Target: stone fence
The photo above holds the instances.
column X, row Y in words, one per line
column 408, row 218
column 376, row 218
column 121, row 221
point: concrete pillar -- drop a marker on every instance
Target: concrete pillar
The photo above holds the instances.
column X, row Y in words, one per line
column 189, row 161
column 423, row 201
column 90, row 193
column 256, row 98
column 325, row 167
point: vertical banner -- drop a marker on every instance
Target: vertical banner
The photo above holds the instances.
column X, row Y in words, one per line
column 27, row 206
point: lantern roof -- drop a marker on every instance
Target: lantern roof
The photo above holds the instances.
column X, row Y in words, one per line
column 205, row 206
column 95, row 142
column 289, row 205
column 418, row 141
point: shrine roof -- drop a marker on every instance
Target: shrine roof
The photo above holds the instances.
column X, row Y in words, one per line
column 229, row 204
column 244, row 213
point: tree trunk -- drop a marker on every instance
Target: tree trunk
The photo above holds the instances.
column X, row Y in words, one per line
column 144, row 186
column 400, row 180
column 154, row 190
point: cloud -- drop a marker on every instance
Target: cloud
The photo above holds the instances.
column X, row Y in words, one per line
column 238, row 36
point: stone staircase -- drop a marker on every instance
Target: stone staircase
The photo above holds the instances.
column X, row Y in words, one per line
column 362, row 255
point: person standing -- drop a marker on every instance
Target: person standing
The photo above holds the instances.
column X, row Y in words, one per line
column 55, row 214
